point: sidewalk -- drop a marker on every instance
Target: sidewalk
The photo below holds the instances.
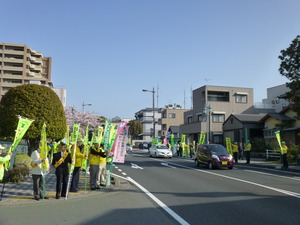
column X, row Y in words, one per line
column 19, row 193
column 260, row 162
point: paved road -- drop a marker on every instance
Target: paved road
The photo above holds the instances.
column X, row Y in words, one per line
column 243, row 195
column 121, row 206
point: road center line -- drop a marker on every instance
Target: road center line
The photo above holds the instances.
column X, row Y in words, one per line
column 160, row 203
column 268, row 174
column 293, row 194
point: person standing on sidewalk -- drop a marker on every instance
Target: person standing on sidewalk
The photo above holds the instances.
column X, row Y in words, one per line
column 101, row 181
column 37, row 177
column 235, row 149
column 284, row 150
column 247, row 152
column 3, row 160
column 78, row 163
column 94, row 159
column 241, row 150
column 60, row 162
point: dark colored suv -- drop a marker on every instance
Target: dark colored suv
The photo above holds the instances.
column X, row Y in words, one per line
column 214, row 156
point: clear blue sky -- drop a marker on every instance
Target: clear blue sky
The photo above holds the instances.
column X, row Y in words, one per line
column 105, row 52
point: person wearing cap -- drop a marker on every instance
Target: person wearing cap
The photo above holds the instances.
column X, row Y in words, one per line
column 284, row 150
column 37, row 177
column 94, row 159
column 60, row 162
column 102, row 168
column 78, row 162
column 235, row 149
column 3, row 160
column 247, row 152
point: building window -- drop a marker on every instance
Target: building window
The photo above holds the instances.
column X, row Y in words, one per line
column 218, row 96
column 241, row 98
column 189, row 120
column 172, row 115
column 201, row 117
column 218, row 118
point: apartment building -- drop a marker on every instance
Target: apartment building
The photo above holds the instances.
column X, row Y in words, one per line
column 171, row 115
column 145, row 116
column 212, row 105
column 19, row 64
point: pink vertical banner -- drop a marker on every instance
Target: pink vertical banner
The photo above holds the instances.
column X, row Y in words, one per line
column 121, row 126
column 120, row 146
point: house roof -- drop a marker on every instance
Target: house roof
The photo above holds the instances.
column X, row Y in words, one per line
column 278, row 116
column 246, row 118
column 174, row 129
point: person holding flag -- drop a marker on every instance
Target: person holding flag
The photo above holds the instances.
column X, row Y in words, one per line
column 78, row 163
column 94, row 159
column 3, row 160
column 235, row 150
column 37, row 177
column 284, row 150
column 60, row 162
column 102, row 167
column 247, row 152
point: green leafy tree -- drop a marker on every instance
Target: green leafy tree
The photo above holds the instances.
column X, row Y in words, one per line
column 36, row 102
column 135, row 128
column 290, row 68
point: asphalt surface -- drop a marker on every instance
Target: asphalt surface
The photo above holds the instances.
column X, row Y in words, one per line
column 17, row 193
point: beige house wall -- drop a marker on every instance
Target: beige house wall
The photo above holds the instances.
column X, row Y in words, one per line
column 19, row 64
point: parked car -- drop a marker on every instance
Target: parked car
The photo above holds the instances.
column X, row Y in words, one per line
column 214, row 156
column 160, row 151
column 128, row 147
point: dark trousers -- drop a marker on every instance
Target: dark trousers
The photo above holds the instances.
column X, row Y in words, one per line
column 37, row 185
column 61, row 183
column 235, row 156
column 285, row 161
column 247, row 156
column 75, row 179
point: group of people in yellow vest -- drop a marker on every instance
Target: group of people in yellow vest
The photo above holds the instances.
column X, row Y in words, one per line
column 97, row 159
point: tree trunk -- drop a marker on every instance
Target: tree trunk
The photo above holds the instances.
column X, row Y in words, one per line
column 33, row 144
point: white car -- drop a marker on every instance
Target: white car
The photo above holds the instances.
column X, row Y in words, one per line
column 160, row 151
column 128, row 147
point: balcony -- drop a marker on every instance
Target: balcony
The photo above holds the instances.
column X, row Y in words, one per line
column 12, row 68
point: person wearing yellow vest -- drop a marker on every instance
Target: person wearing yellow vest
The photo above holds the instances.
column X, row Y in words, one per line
column 284, row 150
column 94, row 159
column 235, row 149
column 37, row 177
column 3, row 160
column 247, row 152
column 60, row 162
column 78, row 163
column 102, row 168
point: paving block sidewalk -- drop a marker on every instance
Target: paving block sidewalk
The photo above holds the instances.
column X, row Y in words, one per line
column 24, row 191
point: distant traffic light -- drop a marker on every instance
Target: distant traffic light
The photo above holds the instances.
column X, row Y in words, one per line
column 138, row 116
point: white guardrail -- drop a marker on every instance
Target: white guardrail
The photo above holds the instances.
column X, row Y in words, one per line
column 273, row 154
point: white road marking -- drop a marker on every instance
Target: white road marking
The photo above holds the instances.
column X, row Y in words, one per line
column 160, row 203
column 135, row 166
column 167, row 165
column 269, row 174
column 293, row 194
column 124, row 174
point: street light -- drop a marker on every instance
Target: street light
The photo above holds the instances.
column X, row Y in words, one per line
column 153, row 92
column 85, row 105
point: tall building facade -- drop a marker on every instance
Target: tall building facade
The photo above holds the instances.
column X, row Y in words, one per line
column 212, row 105
column 19, row 64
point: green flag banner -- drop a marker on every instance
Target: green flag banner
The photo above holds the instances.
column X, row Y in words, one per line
column 86, row 147
column 277, row 133
column 23, row 126
column 172, row 140
column 246, row 137
column 202, row 138
column 44, row 150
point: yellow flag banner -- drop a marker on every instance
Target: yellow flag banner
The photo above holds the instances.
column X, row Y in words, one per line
column 229, row 146
column 277, row 133
column 44, row 150
column 23, row 126
column 202, row 138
